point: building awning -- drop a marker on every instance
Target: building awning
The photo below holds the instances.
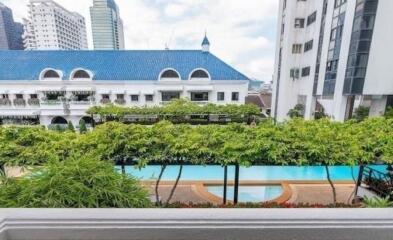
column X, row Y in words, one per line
column 52, row 89
column 148, row 93
column 75, row 89
column 170, row 89
column 199, row 88
column 13, row 116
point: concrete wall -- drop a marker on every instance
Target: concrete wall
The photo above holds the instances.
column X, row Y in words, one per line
column 196, row 224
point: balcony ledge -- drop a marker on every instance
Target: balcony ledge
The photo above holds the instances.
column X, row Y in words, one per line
column 196, row 224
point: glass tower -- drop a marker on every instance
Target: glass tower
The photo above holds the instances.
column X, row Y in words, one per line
column 107, row 26
column 10, row 31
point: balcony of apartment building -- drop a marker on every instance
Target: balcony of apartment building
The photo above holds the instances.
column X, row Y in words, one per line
column 81, row 98
column 15, row 109
column 53, row 98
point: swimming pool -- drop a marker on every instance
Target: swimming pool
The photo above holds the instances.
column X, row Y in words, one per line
column 249, row 193
column 259, row 173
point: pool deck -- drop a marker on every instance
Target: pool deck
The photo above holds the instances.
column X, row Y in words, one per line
column 313, row 192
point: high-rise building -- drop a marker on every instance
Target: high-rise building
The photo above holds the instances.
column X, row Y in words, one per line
column 10, row 31
column 107, row 26
column 333, row 56
column 52, row 27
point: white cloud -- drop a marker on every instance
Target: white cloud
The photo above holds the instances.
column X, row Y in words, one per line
column 236, row 28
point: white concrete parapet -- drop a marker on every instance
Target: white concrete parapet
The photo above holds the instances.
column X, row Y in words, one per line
column 196, row 224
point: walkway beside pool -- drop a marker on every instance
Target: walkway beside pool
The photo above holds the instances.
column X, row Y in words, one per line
column 313, row 192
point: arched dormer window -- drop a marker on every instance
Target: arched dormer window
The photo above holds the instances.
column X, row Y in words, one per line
column 50, row 74
column 169, row 74
column 81, row 74
column 199, row 74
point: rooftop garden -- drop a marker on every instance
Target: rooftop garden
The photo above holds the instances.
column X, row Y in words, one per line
column 178, row 111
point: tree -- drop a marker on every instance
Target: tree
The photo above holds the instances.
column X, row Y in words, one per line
column 78, row 182
column 71, row 127
column 82, row 126
column 297, row 111
column 361, row 113
column 389, row 112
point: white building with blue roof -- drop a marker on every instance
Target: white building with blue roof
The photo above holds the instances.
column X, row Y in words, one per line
column 55, row 87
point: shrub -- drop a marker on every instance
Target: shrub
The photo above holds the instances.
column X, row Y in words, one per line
column 75, row 183
column 297, row 111
column 82, row 127
column 389, row 112
column 377, row 202
column 361, row 113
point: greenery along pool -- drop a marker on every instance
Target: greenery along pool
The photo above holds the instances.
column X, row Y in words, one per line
column 261, row 173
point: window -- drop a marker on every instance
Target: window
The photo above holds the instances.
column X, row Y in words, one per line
column 120, row 96
column 299, row 22
column 294, row 73
column 338, row 3
column 296, row 48
column 199, row 74
column 170, row 74
column 134, row 98
column 199, row 96
column 51, row 74
column 305, row 71
column 311, row 18
column 220, row 96
column 168, row 96
column 80, row 74
column 308, row 45
column 105, row 96
column 149, row 98
column 19, row 96
column 235, row 96
column 33, row 96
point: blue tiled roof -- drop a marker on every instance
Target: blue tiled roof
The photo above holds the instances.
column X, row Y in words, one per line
column 114, row 65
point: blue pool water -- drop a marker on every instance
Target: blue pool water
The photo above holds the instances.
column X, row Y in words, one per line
column 249, row 193
column 265, row 173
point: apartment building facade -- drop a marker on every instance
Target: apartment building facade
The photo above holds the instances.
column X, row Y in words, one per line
column 57, row 87
column 52, row 27
column 333, row 56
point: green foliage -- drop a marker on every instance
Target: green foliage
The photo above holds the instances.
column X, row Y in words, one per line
column 82, row 126
column 177, row 109
column 21, row 146
column 377, row 202
column 361, row 113
column 79, row 182
column 296, row 142
column 71, row 127
column 297, row 111
column 389, row 112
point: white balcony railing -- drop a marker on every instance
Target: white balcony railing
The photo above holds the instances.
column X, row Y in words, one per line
column 197, row 224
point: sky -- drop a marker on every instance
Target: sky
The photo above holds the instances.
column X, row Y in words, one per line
column 241, row 32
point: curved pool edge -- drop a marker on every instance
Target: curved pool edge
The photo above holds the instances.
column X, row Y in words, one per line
column 201, row 190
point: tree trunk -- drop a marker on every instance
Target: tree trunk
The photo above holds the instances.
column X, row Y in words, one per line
column 331, row 185
column 158, row 202
column 174, row 186
column 123, row 168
